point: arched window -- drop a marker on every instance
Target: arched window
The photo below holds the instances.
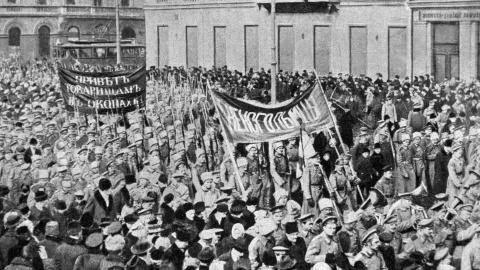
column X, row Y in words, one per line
column 73, row 33
column 14, row 35
column 128, row 33
column 44, row 41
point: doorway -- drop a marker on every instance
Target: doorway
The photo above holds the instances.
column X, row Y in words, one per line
column 446, row 51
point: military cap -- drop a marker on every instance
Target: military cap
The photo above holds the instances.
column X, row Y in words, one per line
column 324, row 203
column 465, row 207
column 227, row 187
column 329, row 219
column 206, row 234
column 222, row 200
column 305, row 217
column 174, row 175
column 385, row 237
column 437, row 206
column 280, row 249
column 206, row 176
column 387, row 168
column 114, row 227
column 277, row 208
column 199, row 152
column 242, row 162
column 350, row 218
column 368, row 234
column 441, row 253
column 250, row 147
column 425, row 223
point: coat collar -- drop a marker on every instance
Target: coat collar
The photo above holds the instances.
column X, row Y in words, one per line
column 102, row 202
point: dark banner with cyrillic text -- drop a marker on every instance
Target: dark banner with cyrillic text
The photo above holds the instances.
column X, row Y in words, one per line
column 102, row 93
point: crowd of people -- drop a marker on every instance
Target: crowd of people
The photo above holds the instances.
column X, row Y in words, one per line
column 394, row 186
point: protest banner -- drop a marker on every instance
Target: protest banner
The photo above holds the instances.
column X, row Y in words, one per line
column 102, row 93
column 249, row 122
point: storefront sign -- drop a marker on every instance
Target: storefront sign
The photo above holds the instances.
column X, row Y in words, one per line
column 450, row 15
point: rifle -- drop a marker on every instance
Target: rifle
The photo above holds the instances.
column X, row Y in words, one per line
column 333, row 194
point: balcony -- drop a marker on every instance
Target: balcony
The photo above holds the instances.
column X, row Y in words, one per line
column 70, row 11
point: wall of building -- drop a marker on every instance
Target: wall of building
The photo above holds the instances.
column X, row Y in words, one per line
column 376, row 17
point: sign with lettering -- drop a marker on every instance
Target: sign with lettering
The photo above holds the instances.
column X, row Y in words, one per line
column 247, row 122
column 102, row 93
column 450, row 15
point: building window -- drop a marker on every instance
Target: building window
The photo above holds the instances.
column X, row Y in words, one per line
column 73, row 33
column 97, row 3
column 162, row 46
column 125, row 3
column 251, row 48
column 44, row 41
column 286, row 48
column 446, row 50
column 14, row 35
column 70, row 2
column 192, row 46
column 11, row 1
column 220, row 46
column 397, row 52
column 128, row 33
column 358, row 50
column 321, row 48
column 41, row 2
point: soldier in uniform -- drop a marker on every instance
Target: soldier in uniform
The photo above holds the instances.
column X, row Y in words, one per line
column 43, row 183
column 361, row 144
column 422, row 241
column 370, row 255
column 312, row 183
column 292, row 155
column 65, row 194
column 20, row 174
column 340, row 184
column 398, row 135
column 430, row 153
column 277, row 217
column 324, row 244
column 406, row 174
column 116, row 177
column 177, row 189
column 464, row 231
column 349, row 226
column 418, row 158
column 390, row 226
column 386, row 185
column 471, row 254
column 7, row 167
column 306, row 228
column 456, row 167
column 280, row 167
column 199, row 168
column 262, row 243
column 472, row 187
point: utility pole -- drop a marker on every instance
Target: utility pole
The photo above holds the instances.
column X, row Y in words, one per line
column 117, row 21
column 274, row 58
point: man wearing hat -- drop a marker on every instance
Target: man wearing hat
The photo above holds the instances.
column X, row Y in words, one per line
column 178, row 189
column 430, row 154
column 295, row 244
column 406, row 180
column 115, row 176
column 464, row 231
column 397, row 136
column 114, row 245
column 209, row 193
column 101, row 203
column 306, row 228
column 471, row 186
column 52, row 239
column 279, row 167
column 261, row 243
column 441, row 167
column 390, row 226
column 456, row 169
column 199, row 168
column 385, row 184
column 358, row 148
column 312, row 181
column 422, row 241
column 340, row 183
column 325, row 244
column 7, row 167
column 177, row 250
column 237, row 255
column 350, row 227
column 9, row 240
column 67, row 253
column 93, row 258
column 370, row 255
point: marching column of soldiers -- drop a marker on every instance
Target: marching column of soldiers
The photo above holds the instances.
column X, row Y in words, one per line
column 161, row 188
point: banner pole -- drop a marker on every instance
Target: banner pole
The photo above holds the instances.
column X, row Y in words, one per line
column 230, row 150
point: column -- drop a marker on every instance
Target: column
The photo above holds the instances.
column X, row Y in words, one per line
column 474, row 49
column 465, row 52
column 429, row 36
